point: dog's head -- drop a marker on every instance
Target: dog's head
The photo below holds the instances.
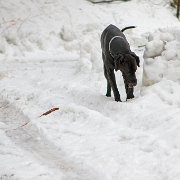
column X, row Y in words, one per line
column 127, row 64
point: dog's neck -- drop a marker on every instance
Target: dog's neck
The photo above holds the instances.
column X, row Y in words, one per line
column 111, row 42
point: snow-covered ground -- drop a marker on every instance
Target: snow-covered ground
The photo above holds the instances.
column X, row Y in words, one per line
column 50, row 57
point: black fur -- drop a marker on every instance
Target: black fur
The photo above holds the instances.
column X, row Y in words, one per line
column 119, row 57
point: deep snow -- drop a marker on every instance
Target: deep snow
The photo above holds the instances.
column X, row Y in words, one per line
column 50, row 57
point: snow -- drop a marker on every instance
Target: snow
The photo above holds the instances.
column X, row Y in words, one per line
column 51, row 57
column 162, row 51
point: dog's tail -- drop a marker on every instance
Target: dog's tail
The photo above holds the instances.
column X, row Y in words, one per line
column 129, row 27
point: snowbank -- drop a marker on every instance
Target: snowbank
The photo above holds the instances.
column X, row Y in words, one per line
column 162, row 56
column 51, row 30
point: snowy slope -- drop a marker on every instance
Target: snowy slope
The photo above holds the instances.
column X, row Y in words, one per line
column 50, row 57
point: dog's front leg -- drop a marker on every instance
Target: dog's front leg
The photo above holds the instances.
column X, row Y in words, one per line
column 129, row 91
column 130, row 94
column 108, row 93
column 112, row 81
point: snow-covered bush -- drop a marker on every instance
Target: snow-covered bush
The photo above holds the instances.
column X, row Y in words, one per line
column 162, row 57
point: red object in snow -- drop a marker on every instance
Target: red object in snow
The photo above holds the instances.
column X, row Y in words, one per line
column 50, row 111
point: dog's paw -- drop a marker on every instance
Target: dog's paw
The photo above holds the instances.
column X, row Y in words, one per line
column 118, row 99
column 108, row 95
column 130, row 96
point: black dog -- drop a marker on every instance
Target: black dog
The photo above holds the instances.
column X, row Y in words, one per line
column 117, row 55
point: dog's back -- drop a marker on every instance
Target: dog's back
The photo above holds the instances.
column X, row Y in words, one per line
column 120, row 44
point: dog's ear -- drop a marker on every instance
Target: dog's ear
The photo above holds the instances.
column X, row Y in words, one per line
column 118, row 59
column 137, row 58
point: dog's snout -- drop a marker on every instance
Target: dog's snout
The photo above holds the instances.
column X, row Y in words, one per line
column 131, row 85
column 132, row 81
